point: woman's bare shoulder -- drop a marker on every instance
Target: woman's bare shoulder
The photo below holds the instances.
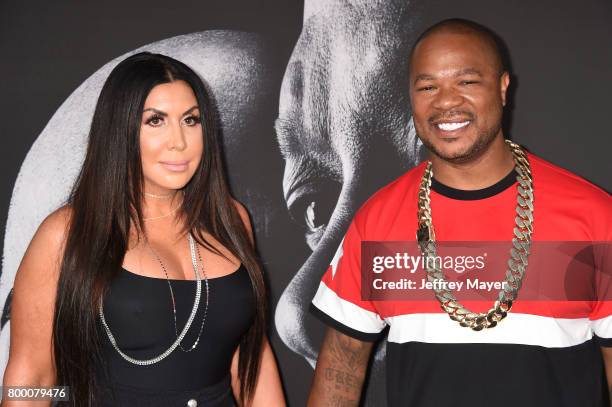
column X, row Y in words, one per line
column 240, row 208
column 244, row 215
column 54, row 227
column 49, row 239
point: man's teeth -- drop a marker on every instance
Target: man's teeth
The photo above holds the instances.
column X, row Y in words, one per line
column 452, row 126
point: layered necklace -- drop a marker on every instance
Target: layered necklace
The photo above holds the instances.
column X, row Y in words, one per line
column 521, row 244
column 174, row 302
column 168, row 196
column 179, row 338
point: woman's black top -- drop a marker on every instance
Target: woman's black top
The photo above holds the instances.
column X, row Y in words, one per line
column 138, row 310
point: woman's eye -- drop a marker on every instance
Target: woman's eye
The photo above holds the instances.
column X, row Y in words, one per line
column 192, row 120
column 155, row 121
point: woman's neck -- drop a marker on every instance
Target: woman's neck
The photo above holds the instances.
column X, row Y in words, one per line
column 158, row 205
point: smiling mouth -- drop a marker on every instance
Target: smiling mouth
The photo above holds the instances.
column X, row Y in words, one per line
column 452, row 126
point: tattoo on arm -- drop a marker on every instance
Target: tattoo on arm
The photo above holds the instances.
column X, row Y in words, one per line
column 340, row 371
column 348, row 352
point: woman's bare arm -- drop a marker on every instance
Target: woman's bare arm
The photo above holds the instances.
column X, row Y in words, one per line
column 268, row 389
column 31, row 351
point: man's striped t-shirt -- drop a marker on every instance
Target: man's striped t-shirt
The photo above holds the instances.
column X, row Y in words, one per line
column 545, row 353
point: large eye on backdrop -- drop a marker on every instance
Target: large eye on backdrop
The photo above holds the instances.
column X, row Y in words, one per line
column 311, row 204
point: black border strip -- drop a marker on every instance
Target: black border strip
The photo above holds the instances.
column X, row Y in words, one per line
column 466, row 195
column 327, row 320
column 605, row 342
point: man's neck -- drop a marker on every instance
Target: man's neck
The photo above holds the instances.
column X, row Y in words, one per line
column 482, row 172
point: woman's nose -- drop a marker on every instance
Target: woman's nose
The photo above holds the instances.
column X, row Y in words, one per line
column 176, row 137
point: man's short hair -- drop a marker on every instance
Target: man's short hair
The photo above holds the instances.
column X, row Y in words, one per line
column 463, row 26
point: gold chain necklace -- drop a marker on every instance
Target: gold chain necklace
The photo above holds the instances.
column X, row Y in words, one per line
column 162, row 216
column 155, row 196
column 166, row 214
column 517, row 264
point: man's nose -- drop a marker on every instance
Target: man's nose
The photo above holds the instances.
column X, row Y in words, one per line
column 447, row 98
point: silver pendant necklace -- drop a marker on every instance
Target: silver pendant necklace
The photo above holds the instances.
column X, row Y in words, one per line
column 180, row 337
column 174, row 302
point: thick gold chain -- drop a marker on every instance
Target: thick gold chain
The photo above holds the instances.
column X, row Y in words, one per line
column 517, row 263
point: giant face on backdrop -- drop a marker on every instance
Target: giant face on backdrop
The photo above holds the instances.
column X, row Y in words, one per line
column 344, row 129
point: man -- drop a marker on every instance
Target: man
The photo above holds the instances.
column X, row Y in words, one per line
column 532, row 355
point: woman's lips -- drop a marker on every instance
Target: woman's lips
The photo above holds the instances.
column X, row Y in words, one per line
column 175, row 166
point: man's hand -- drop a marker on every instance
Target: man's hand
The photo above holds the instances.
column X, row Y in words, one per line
column 340, row 371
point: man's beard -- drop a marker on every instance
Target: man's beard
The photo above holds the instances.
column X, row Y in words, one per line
column 483, row 141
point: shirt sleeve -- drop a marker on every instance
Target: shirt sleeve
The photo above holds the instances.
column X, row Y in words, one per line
column 338, row 301
column 601, row 316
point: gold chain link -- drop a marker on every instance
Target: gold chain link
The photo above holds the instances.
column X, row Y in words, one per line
column 517, row 263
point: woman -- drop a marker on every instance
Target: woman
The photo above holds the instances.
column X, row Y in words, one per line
column 145, row 289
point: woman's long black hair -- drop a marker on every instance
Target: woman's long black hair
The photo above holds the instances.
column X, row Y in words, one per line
column 106, row 200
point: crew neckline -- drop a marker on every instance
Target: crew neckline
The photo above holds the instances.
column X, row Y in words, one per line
column 471, row 195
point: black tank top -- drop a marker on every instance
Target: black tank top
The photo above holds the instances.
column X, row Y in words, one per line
column 138, row 310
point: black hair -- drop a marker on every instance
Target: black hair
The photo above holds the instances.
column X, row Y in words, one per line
column 460, row 25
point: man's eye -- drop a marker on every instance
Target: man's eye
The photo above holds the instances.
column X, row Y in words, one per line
column 425, row 88
column 469, row 82
column 311, row 206
column 312, row 217
column 313, row 210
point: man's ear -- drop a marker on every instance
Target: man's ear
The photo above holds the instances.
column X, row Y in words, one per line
column 504, row 82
